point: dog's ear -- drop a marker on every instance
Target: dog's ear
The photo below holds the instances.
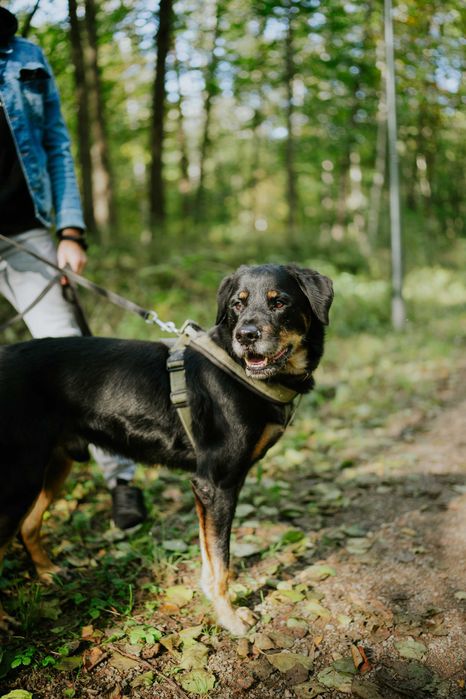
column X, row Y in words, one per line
column 224, row 293
column 316, row 287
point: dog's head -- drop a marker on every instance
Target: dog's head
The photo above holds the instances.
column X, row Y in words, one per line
column 272, row 318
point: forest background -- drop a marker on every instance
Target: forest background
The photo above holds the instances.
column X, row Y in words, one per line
column 217, row 133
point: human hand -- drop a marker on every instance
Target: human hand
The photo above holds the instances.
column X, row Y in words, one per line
column 71, row 253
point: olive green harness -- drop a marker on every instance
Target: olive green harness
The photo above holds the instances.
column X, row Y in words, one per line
column 191, row 335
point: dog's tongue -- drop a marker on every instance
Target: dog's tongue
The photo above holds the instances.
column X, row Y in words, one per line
column 257, row 361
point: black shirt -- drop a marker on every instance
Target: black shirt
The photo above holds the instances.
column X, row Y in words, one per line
column 16, row 205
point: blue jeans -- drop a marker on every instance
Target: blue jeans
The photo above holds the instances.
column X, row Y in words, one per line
column 22, row 278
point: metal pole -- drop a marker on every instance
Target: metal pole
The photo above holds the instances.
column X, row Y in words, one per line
column 398, row 309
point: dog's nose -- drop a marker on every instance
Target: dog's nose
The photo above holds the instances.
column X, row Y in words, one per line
column 248, row 334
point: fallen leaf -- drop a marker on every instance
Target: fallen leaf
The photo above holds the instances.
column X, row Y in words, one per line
column 179, row 595
column 198, row 681
column 263, row 642
column 122, row 663
column 411, row 649
column 260, row 668
column 296, row 675
column 169, row 608
column 366, row 666
column 91, row 657
column 87, row 632
column 319, row 572
column 286, row 596
column 356, row 655
column 243, row 550
column 144, row 680
column 344, row 665
column 171, row 641
column 284, row 661
column 314, row 607
column 334, row 679
column 308, row 690
column 298, row 627
column 282, row 640
column 243, row 647
column 190, row 633
column 365, row 690
column 69, row 664
column 17, row 694
column 176, row 545
column 194, row 657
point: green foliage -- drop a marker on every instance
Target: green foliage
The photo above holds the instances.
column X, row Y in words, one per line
column 336, row 88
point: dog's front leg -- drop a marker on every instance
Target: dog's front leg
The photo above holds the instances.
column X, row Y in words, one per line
column 215, row 509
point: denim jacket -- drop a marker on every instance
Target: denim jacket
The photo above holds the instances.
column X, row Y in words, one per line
column 32, row 107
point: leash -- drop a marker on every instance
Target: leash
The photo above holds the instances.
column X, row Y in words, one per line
column 149, row 316
column 20, row 316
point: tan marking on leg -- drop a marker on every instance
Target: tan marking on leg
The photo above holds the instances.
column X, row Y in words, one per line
column 226, row 615
column 207, row 575
column 57, row 471
column 268, row 437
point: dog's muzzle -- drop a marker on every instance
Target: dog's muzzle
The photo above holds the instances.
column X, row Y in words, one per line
column 262, row 356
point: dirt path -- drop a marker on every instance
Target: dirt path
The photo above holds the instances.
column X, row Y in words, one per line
column 370, row 603
column 397, row 583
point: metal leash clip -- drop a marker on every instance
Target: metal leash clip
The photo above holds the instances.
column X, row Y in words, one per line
column 169, row 326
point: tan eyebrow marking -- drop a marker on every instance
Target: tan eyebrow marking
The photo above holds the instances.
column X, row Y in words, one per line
column 272, row 294
column 243, row 295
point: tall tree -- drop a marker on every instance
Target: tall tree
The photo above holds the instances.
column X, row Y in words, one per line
column 210, row 91
column 157, row 206
column 102, row 180
column 291, row 176
column 184, row 184
column 83, row 121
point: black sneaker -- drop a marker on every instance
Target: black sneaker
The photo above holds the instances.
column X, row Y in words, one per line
column 128, row 507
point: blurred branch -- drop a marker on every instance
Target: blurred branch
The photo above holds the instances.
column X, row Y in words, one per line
column 27, row 22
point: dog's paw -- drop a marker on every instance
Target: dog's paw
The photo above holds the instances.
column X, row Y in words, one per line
column 49, row 575
column 238, row 622
column 247, row 616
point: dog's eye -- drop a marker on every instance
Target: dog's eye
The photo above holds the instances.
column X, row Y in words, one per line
column 237, row 306
column 278, row 305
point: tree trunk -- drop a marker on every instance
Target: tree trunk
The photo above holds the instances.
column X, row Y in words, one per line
column 291, row 177
column 378, row 177
column 83, row 118
column 157, row 209
column 104, row 200
column 210, row 91
column 184, row 185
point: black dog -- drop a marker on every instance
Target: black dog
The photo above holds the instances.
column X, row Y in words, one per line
column 57, row 395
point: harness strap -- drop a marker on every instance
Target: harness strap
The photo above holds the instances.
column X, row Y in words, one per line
column 179, row 391
column 193, row 336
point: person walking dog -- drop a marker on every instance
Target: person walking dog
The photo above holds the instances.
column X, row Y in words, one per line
column 37, row 179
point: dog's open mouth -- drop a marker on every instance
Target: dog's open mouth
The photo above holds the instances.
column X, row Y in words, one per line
column 266, row 364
